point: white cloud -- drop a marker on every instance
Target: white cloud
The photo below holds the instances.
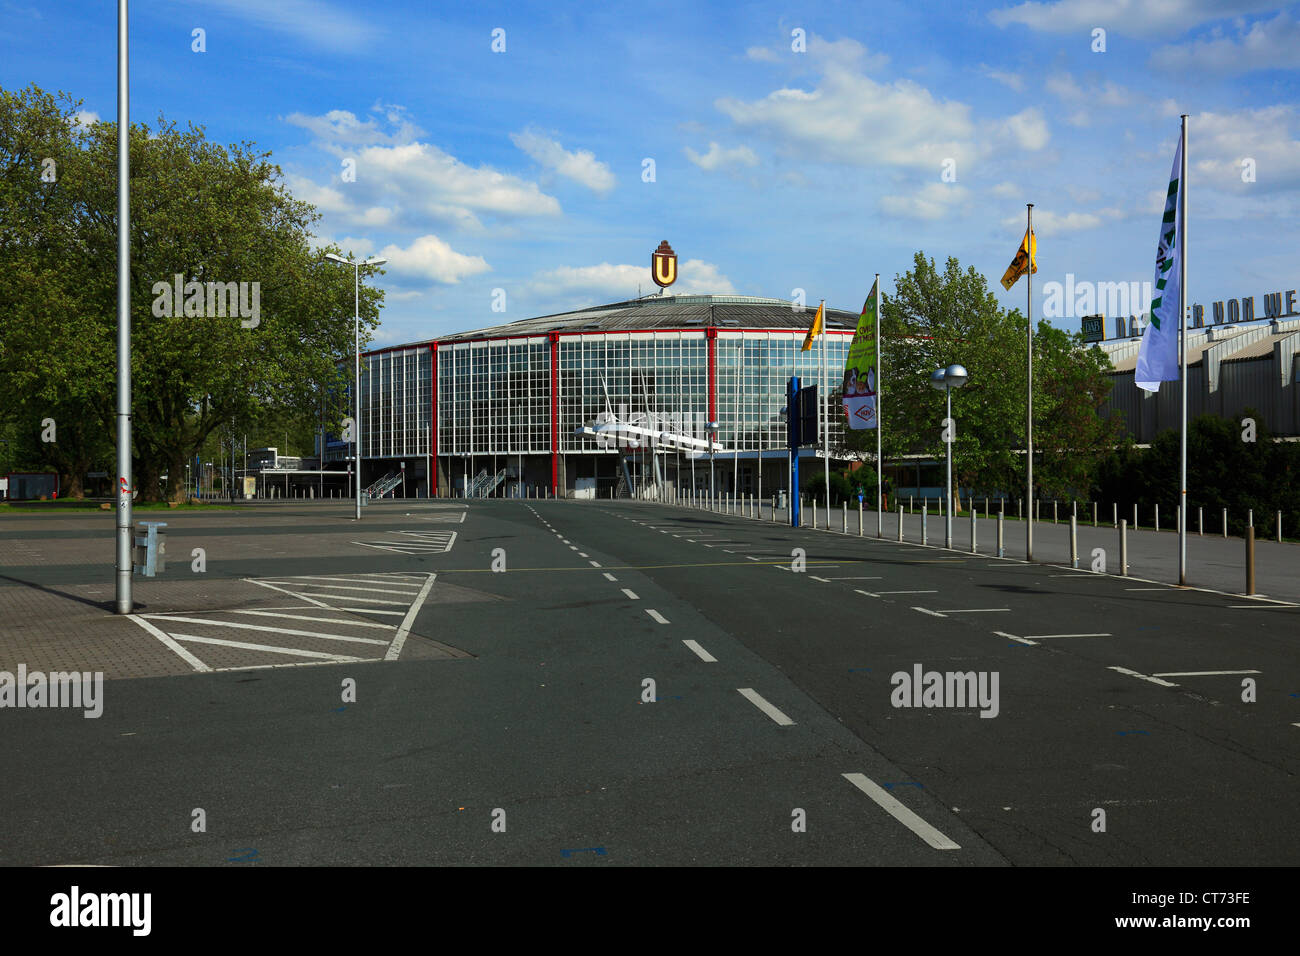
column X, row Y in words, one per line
column 428, row 257
column 850, row 118
column 1065, row 88
column 1143, row 18
column 933, row 201
column 717, row 157
column 853, row 119
column 1007, row 190
column 581, row 166
column 762, row 55
column 1268, row 45
column 342, row 128
column 319, row 24
column 1049, row 223
column 613, row 283
column 846, row 52
column 86, row 118
column 1013, row 80
column 1027, row 128
column 1221, row 141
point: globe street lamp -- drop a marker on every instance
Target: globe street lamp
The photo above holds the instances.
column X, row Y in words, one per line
column 946, row 379
column 356, row 331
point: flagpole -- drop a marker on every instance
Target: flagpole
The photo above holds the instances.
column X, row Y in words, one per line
column 1182, row 334
column 1029, row 414
column 880, row 422
column 826, row 425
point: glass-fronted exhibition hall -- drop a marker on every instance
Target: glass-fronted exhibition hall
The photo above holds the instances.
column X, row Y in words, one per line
column 509, row 404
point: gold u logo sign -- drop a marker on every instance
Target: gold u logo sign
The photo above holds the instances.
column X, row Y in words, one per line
column 663, row 265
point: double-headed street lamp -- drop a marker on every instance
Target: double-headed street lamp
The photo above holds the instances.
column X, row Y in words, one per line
column 356, row 331
column 946, row 379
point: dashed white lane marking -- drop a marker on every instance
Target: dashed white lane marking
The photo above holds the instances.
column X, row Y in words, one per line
column 701, row 652
column 171, row 645
column 609, row 577
column 974, row 610
column 573, row 547
column 902, row 814
column 1022, row 640
column 870, row 577
column 291, row 651
column 565, row 540
column 594, row 564
column 907, row 592
column 927, row 611
column 1266, row 607
column 1039, row 637
column 583, row 554
column 755, row 698
column 1203, row 673
column 656, row 615
column 751, row 557
column 631, row 594
column 1153, row 680
column 262, row 627
column 395, row 648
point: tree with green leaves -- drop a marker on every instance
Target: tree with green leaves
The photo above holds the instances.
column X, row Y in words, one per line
column 935, row 319
column 215, row 216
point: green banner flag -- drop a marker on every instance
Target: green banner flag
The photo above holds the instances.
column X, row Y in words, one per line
column 860, row 369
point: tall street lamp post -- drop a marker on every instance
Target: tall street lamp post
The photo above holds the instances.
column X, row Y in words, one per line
column 356, row 332
column 946, row 379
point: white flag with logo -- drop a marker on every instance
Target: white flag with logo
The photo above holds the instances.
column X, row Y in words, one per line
column 1158, row 354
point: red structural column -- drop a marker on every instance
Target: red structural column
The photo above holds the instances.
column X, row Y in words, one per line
column 433, row 420
column 712, row 335
column 555, row 412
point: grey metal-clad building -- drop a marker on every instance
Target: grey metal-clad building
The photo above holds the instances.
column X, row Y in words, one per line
column 499, row 406
column 1229, row 368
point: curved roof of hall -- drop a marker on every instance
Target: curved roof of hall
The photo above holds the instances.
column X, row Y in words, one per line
column 670, row 312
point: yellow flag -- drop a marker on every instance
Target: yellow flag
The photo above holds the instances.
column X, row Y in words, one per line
column 815, row 331
column 1026, row 260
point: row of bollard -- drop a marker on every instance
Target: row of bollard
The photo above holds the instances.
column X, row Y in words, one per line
column 752, row 507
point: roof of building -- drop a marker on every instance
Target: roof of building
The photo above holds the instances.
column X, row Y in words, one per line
column 670, row 312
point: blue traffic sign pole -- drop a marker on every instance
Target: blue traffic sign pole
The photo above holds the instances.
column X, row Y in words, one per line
column 794, row 438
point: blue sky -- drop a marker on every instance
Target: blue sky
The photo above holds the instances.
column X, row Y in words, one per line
column 775, row 168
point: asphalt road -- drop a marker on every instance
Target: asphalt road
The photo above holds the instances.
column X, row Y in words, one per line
column 521, row 697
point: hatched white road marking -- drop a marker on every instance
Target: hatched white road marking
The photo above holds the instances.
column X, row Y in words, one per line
column 899, row 812
column 1021, row 640
column 414, row 542
column 656, row 615
column 1203, row 673
column 1041, row 637
column 306, row 589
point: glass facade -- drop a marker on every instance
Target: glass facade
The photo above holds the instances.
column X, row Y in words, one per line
column 494, row 396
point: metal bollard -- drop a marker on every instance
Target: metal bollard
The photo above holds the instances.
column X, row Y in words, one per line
column 973, row 548
column 925, row 513
column 1250, row 517
column 859, row 517
column 1001, row 549
column 1135, row 516
column 1250, row 559
column 900, row 522
column 774, row 507
column 1157, row 519
column 1020, row 508
column 1094, row 514
column 1114, row 515
column 1225, row 523
column 1123, row 547
column 1279, row 527
column 814, row 514
column 1074, row 541
column 1200, row 520
column 844, row 516
column 909, row 504
column 1054, row 519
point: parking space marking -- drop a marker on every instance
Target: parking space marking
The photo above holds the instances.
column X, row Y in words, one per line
column 1203, row 673
column 1139, row 676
